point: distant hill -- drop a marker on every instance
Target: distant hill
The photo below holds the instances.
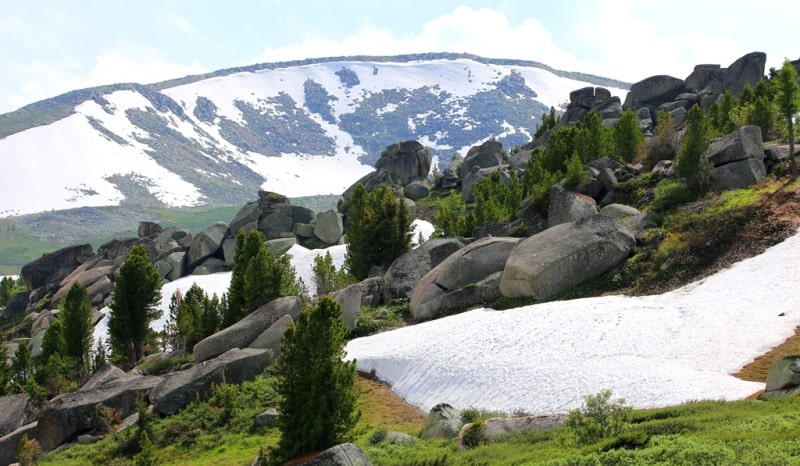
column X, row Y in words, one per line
column 300, row 128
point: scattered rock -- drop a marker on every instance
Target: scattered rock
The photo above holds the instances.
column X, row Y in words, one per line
column 567, row 206
column 443, row 421
column 346, row 454
column 405, row 161
column 407, row 270
column 268, row 418
column 506, row 425
column 329, row 227
column 206, row 244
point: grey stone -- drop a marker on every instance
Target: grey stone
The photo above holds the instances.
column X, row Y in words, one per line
column 458, row 276
column 177, row 263
column 274, row 225
column 407, row 270
column 246, row 219
column 17, row 412
column 417, row 190
column 350, row 300
column 149, row 228
column 55, row 266
column 497, row 426
column 306, row 230
column 748, row 69
column 345, row 454
column 371, row 291
column 279, row 246
column 87, row 439
column 371, row 181
column 229, row 250
column 71, row 414
column 654, row 91
column 405, row 161
column 567, row 206
column 235, row 366
column 271, row 338
column 16, row 304
column 702, row 76
column 329, row 227
column 737, row 175
column 398, row 438
column 209, row 266
column 268, row 418
column 451, row 176
column 443, row 421
column 679, row 117
column 743, row 143
column 776, row 153
column 206, row 244
column 301, row 214
column 619, row 211
column 565, row 255
column 244, row 332
column 487, row 155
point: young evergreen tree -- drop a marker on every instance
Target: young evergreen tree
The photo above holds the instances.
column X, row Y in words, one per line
column 6, row 288
column 318, row 399
column 628, row 138
column 326, row 278
column 5, row 371
column 576, row 175
column 663, row 146
column 449, row 219
column 136, row 293
column 692, row 164
column 247, row 246
column 53, row 341
column 77, row 318
column 593, row 138
column 21, row 368
column 789, row 103
column 378, row 230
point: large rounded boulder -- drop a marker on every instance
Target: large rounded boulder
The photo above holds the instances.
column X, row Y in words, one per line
column 565, row 255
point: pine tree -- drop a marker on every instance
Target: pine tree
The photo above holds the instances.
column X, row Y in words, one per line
column 377, row 231
column 21, row 368
column 789, row 103
column 628, row 138
column 77, row 318
column 137, row 291
column 448, row 219
column 593, row 138
column 5, row 371
column 663, row 146
column 692, row 164
column 318, row 400
column 576, row 175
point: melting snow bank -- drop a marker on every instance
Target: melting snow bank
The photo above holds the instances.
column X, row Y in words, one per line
column 653, row 351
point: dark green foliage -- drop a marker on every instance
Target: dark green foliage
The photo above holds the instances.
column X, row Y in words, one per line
column 326, row 278
column 548, row 122
column 53, row 341
column 593, row 139
column 789, row 101
column 576, row 175
column 378, row 231
column 318, row 399
column 692, row 164
column 663, row 146
column 599, row 418
column 99, row 355
column 537, row 180
column 5, row 371
column 258, row 277
column 475, row 435
column 21, row 368
column 562, row 143
column 628, row 138
column 6, row 287
column 76, row 314
column 449, row 219
column 722, row 114
column 373, row 320
column 136, row 293
column 763, row 113
column 627, row 440
column 192, row 317
column 496, row 200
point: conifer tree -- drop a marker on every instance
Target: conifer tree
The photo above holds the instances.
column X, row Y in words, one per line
column 21, row 368
column 5, row 371
column 378, row 230
column 663, row 146
column 136, row 293
column 576, row 175
column 77, row 329
column 692, row 164
column 628, row 138
column 789, row 103
column 318, row 399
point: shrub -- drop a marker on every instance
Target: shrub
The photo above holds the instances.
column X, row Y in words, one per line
column 475, row 435
column 669, row 194
column 377, row 437
column 599, row 418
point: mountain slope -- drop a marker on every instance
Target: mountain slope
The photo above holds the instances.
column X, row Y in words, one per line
column 302, row 128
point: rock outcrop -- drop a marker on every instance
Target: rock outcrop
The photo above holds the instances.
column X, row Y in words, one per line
column 497, row 426
column 783, row 378
column 345, row 454
column 565, row 255
column 443, row 421
column 243, row 333
column 407, row 270
column 468, row 277
column 738, row 159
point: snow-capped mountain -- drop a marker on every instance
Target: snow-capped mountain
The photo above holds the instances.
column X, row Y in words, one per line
column 301, row 128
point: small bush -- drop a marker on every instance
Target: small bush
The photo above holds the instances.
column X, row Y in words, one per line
column 470, row 415
column 475, row 435
column 627, row 440
column 670, row 193
column 599, row 418
column 377, row 437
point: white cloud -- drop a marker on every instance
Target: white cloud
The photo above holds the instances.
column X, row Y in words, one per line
column 48, row 78
column 180, row 22
column 484, row 32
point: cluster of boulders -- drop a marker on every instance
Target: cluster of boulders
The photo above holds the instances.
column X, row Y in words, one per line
column 404, row 166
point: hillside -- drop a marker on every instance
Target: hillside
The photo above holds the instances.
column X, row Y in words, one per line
column 300, row 128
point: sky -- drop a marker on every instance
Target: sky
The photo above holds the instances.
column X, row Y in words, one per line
column 54, row 46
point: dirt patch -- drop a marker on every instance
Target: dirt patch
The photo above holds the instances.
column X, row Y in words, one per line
column 382, row 408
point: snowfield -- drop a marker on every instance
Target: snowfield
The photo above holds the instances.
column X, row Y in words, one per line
column 653, row 351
